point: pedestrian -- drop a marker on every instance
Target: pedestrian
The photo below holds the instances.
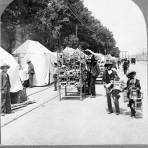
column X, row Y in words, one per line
column 5, row 90
column 132, row 84
column 119, row 63
column 94, row 72
column 125, row 66
column 108, row 77
column 31, row 73
column 55, row 76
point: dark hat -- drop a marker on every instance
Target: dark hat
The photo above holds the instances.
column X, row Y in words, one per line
column 131, row 73
column 5, row 65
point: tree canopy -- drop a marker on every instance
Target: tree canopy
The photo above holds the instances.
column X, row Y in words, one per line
column 59, row 23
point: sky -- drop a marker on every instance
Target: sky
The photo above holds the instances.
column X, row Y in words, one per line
column 124, row 19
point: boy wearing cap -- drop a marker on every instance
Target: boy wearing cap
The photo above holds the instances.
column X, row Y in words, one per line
column 132, row 83
column 5, row 90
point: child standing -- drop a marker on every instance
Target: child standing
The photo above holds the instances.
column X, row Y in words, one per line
column 132, row 83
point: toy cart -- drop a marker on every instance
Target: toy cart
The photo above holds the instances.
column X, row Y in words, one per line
column 137, row 99
column 133, row 95
column 69, row 81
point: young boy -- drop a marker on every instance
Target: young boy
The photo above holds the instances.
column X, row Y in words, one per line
column 132, row 83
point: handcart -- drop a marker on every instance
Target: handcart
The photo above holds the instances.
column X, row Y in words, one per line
column 69, row 81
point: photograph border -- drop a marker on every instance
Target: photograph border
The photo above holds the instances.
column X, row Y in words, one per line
column 142, row 4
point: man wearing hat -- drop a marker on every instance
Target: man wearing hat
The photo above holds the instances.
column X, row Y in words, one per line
column 125, row 65
column 5, row 90
column 31, row 73
column 94, row 72
column 109, row 76
column 132, row 83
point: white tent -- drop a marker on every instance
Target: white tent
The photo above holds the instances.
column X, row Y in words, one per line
column 42, row 59
column 80, row 53
column 68, row 50
column 110, row 57
column 13, row 72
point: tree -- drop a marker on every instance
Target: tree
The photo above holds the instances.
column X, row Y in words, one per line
column 54, row 21
column 115, row 52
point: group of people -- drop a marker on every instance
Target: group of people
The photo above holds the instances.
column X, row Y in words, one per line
column 90, row 71
column 6, row 85
column 109, row 77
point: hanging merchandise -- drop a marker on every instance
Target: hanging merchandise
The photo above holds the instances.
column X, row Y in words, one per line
column 69, row 74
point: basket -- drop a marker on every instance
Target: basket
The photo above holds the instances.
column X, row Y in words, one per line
column 125, row 98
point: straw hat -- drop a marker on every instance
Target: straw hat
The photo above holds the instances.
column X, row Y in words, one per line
column 131, row 73
column 4, row 65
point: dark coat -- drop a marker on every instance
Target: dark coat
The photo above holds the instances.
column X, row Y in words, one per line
column 134, row 85
column 5, row 82
column 125, row 64
column 95, row 70
column 107, row 78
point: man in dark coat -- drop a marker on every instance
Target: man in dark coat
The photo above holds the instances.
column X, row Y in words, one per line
column 125, row 66
column 108, row 77
column 5, row 90
column 31, row 73
column 132, row 83
column 94, row 72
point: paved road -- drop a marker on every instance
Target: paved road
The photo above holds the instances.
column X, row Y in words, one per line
column 74, row 122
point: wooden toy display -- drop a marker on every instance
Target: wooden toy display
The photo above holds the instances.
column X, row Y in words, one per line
column 69, row 76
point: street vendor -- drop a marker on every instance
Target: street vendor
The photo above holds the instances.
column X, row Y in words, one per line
column 108, row 77
column 5, row 90
column 132, row 83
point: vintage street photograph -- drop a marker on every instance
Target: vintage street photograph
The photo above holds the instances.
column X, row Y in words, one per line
column 73, row 72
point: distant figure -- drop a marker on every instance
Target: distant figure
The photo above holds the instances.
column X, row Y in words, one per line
column 133, row 60
column 31, row 73
column 119, row 63
column 125, row 66
column 55, row 76
column 5, row 90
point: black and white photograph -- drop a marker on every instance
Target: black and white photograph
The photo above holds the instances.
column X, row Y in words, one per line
column 73, row 72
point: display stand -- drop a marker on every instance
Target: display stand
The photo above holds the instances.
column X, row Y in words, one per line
column 69, row 76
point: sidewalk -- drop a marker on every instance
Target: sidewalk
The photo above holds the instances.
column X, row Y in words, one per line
column 34, row 94
column 38, row 94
